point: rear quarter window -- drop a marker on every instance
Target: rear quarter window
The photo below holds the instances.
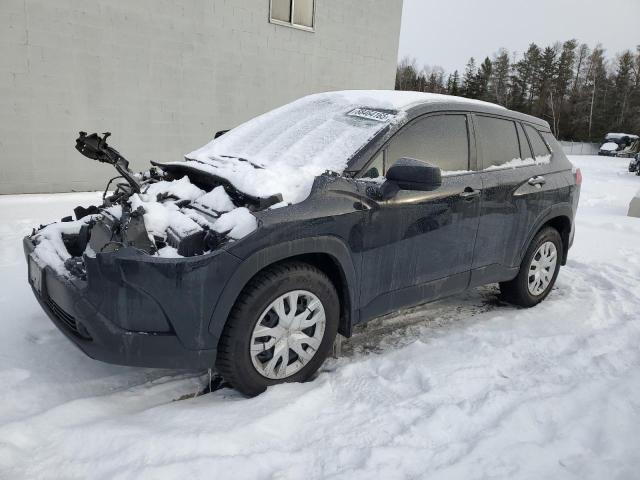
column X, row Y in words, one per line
column 525, row 150
column 552, row 142
column 538, row 145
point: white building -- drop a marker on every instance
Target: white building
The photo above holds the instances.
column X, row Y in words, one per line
column 164, row 75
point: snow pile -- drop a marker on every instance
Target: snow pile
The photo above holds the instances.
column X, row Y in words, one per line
column 163, row 210
column 238, row 223
column 169, row 252
column 519, row 162
column 50, row 249
column 450, row 173
column 282, row 151
column 160, row 216
column 609, row 147
column 217, row 200
column 467, row 388
column 180, row 189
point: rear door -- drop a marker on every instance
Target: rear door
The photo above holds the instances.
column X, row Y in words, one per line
column 515, row 193
column 419, row 245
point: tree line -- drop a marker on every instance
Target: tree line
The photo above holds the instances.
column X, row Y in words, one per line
column 576, row 88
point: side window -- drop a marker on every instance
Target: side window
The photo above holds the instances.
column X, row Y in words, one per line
column 376, row 168
column 441, row 140
column 552, row 142
column 540, row 148
column 525, row 150
column 498, row 140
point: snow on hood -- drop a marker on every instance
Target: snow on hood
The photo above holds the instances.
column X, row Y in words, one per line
column 286, row 148
column 609, row 147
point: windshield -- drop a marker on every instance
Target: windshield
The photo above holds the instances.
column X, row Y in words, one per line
column 323, row 130
column 286, row 148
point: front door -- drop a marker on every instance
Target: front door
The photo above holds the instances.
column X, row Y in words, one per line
column 418, row 246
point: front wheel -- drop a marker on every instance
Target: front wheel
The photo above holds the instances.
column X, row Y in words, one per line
column 281, row 328
column 538, row 270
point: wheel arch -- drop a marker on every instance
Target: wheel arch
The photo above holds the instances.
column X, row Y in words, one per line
column 562, row 224
column 559, row 217
column 329, row 254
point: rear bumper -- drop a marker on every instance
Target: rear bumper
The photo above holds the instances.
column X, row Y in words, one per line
column 90, row 318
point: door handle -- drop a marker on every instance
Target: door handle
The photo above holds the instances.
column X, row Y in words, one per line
column 537, row 181
column 469, row 193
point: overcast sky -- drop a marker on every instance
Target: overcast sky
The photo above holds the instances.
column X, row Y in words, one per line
column 448, row 32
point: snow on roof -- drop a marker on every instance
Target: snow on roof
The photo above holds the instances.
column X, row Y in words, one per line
column 620, row 135
column 286, row 148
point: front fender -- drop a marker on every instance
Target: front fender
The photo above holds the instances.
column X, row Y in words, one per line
column 257, row 261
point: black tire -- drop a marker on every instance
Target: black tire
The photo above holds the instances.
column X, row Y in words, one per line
column 234, row 359
column 516, row 291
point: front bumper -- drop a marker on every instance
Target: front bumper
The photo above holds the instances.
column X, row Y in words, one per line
column 129, row 288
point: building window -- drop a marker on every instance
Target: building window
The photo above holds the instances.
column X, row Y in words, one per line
column 294, row 13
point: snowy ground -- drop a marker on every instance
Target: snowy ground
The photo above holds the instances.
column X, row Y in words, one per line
column 466, row 388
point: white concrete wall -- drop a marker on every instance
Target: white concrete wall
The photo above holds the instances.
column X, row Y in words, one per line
column 164, row 75
column 580, row 148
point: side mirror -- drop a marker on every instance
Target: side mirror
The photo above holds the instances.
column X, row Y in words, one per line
column 412, row 174
column 219, row 133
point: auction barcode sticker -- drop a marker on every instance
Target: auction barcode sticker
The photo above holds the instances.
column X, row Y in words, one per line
column 370, row 114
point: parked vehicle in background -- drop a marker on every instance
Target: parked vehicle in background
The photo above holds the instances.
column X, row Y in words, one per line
column 247, row 258
column 630, row 151
column 616, row 142
column 634, row 164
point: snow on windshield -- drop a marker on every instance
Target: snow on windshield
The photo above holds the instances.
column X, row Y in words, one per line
column 609, row 146
column 286, row 148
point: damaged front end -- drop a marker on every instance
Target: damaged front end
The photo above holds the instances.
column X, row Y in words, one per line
column 169, row 211
column 135, row 280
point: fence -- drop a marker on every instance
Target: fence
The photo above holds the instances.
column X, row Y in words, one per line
column 580, row 148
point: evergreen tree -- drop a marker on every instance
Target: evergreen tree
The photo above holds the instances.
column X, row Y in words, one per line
column 454, row 87
column 469, row 85
column 622, row 88
column 499, row 84
column 482, row 79
column 564, row 75
column 572, row 86
column 543, row 81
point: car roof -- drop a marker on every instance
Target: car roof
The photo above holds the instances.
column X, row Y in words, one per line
column 619, row 136
column 420, row 103
column 479, row 107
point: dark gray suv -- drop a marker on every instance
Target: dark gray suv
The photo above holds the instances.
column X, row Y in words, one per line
column 253, row 253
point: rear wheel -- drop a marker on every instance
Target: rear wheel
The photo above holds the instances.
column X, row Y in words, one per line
column 281, row 328
column 538, row 270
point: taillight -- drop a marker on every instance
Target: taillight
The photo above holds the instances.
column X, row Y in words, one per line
column 578, row 177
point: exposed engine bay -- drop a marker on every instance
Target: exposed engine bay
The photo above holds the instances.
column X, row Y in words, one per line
column 170, row 210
